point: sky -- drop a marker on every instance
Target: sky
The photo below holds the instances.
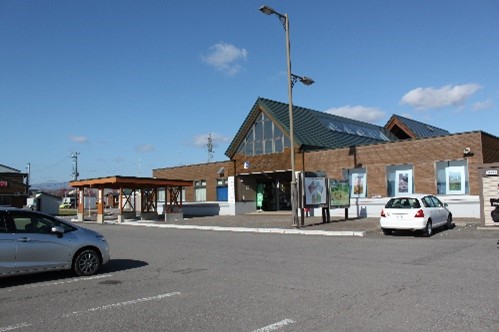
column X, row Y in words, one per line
column 133, row 86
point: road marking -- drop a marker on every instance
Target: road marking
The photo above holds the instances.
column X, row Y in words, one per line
column 64, row 282
column 122, row 304
column 14, row 327
column 275, row 326
column 105, row 307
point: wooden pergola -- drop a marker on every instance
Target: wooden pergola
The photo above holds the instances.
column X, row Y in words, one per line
column 127, row 186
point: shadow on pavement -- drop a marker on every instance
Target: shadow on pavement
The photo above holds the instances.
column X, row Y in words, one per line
column 114, row 265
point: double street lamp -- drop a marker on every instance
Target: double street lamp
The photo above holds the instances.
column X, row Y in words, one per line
column 292, row 79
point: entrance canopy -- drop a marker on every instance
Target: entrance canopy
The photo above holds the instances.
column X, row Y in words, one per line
column 148, row 190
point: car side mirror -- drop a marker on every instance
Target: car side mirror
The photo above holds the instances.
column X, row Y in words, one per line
column 57, row 230
column 446, row 205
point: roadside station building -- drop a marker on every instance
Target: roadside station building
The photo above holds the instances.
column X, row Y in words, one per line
column 404, row 156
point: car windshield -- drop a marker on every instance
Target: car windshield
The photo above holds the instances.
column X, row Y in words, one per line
column 403, row 203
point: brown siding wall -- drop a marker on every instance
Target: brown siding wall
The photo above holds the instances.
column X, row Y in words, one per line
column 490, row 149
column 421, row 153
column 15, row 189
column 206, row 172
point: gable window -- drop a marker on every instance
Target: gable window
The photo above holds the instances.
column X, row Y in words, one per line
column 452, row 177
column 399, row 180
column 264, row 137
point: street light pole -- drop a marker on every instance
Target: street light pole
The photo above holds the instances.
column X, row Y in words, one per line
column 291, row 81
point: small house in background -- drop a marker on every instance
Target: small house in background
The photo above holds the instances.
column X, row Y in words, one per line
column 44, row 202
column 13, row 187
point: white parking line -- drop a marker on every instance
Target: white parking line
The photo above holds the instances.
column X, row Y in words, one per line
column 64, row 282
column 109, row 306
column 122, row 304
column 275, row 326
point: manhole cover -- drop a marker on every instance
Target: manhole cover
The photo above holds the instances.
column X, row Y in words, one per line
column 110, row 282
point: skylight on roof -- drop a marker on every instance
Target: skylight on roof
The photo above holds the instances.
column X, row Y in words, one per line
column 351, row 127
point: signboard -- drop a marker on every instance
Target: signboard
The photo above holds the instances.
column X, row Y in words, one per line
column 315, row 190
column 4, row 184
column 339, row 194
column 491, row 172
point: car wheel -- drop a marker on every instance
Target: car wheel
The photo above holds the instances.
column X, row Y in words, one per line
column 87, row 262
column 386, row 231
column 428, row 230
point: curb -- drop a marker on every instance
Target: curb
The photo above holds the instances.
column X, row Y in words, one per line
column 249, row 230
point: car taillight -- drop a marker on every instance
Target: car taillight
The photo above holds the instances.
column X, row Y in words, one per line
column 383, row 213
column 419, row 214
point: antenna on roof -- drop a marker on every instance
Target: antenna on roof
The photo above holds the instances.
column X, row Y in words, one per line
column 210, row 148
column 75, row 173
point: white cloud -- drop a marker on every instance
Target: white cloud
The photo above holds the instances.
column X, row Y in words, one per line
column 483, row 105
column 78, row 139
column 144, row 148
column 449, row 95
column 202, row 140
column 226, row 58
column 361, row 113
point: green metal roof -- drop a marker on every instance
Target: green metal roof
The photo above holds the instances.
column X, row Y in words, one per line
column 313, row 129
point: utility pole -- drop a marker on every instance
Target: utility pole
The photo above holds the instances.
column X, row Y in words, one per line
column 28, row 168
column 75, row 174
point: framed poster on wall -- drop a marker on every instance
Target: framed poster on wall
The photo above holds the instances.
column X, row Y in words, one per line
column 403, row 182
column 358, row 181
column 455, row 180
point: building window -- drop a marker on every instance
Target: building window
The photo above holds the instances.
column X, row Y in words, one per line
column 264, row 137
column 452, row 177
column 399, row 180
column 357, row 178
column 200, row 190
column 162, row 195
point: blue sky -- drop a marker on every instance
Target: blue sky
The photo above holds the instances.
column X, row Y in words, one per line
column 138, row 85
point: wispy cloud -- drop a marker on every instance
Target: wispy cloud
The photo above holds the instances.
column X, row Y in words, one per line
column 202, row 140
column 483, row 105
column 144, row 148
column 78, row 139
column 362, row 113
column 430, row 98
column 226, row 58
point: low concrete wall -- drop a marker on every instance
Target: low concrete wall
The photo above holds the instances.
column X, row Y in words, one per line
column 461, row 206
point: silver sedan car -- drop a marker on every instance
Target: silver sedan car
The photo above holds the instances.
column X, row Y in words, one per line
column 33, row 242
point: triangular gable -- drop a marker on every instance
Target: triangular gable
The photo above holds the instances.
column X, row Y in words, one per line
column 405, row 128
column 313, row 129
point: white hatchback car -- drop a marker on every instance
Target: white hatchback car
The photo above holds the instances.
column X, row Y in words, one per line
column 418, row 212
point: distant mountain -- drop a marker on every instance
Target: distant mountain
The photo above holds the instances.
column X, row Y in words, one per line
column 50, row 186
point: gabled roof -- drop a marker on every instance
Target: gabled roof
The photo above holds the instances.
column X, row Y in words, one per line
column 405, row 128
column 313, row 129
column 7, row 169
